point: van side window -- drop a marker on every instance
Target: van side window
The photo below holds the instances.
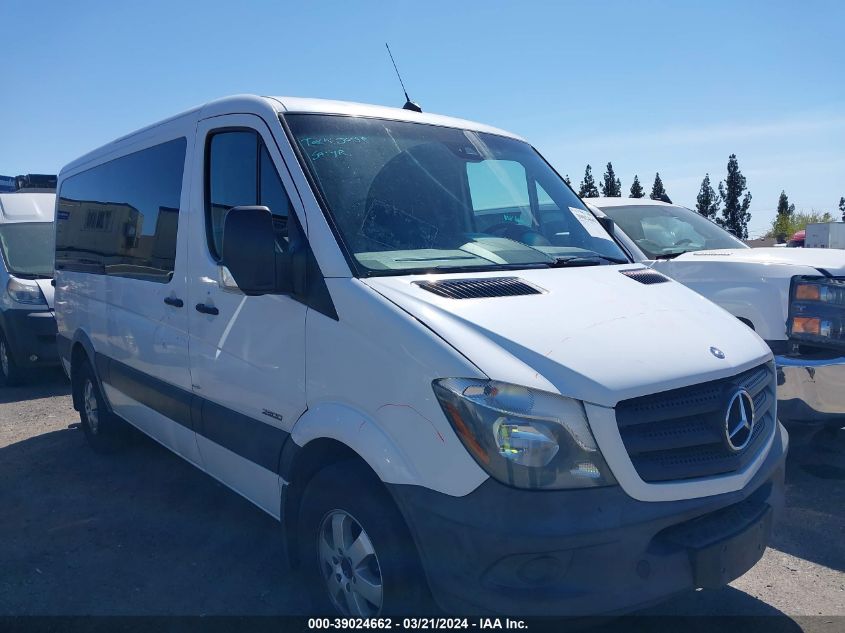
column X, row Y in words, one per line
column 232, row 179
column 273, row 196
column 120, row 218
column 240, row 172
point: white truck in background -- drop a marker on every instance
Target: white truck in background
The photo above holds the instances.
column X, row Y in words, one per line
column 794, row 298
column 825, row 235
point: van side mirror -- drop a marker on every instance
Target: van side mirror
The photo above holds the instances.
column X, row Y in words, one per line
column 607, row 223
column 249, row 249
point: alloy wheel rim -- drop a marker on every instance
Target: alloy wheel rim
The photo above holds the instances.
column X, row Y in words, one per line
column 349, row 565
column 89, row 400
column 4, row 358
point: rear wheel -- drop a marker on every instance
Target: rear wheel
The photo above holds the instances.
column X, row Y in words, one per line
column 10, row 373
column 357, row 554
column 104, row 431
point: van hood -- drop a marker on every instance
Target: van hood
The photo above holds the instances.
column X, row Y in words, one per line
column 47, row 289
column 832, row 260
column 592, row 333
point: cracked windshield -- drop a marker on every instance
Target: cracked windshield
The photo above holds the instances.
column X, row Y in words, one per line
column 411, row 198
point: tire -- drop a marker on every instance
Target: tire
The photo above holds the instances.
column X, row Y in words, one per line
column 11, row 374
column 348, row 516
column 105, row 432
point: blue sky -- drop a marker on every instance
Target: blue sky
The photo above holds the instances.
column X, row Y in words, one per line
column 673, row 87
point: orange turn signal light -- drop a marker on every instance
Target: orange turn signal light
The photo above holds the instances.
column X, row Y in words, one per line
column 466, row 434
column 806, row 325
column 807, row 292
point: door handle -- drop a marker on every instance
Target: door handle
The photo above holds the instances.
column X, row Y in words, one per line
column 173, row 301
column 201, row 307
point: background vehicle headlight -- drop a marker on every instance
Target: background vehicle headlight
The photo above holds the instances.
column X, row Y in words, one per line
column 25, row 291
column 524, row 437
column 817, row 311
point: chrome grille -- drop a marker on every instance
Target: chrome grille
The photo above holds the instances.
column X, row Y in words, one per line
column 679, row 434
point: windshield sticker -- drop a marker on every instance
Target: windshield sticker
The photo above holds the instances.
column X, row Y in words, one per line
column 590, row 223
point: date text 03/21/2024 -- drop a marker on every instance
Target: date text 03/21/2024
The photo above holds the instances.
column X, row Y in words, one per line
column 416, row 623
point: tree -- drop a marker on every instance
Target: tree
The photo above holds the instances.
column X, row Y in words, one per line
column 797, row 222
column 611, row 186
column 567, row 181
column 784, row 207
column 657, row 190
column 735, row 215
column 588, row 185
column 636, row 188
column 707, row 202
column 783, row 219
column 842, row 207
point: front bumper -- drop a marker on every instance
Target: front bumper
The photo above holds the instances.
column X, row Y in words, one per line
column 31, row 333
column 811, row 390
column 586, row 552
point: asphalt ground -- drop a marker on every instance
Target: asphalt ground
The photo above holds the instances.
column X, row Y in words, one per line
column 145, row 533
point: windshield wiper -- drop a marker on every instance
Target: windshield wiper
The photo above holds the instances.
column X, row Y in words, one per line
column 587, row 260
column 669, row 255
column 444, row 268
column 480, row 268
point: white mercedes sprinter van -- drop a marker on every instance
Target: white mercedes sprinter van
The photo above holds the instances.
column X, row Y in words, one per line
column 407, row 339
column 27, row 325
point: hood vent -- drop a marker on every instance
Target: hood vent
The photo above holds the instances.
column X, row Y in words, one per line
column 645, row 276
column 479, row 288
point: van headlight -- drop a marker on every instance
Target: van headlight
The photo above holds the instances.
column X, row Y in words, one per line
column 25, row 291
column 817, row 310
column 524, row 437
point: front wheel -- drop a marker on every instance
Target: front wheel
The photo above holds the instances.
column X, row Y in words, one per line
column 357, row 554
column 10, row 373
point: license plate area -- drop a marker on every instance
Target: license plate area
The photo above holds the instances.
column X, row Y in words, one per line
column 716, row 564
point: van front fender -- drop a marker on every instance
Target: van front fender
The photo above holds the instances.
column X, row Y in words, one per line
column 402, row 446
column 357, row 431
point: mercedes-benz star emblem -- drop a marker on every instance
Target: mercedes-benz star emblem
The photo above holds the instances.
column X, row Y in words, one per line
column 717, row 352
column 739, row 421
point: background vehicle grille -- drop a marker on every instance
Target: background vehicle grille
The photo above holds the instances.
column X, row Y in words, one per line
column 679, row 434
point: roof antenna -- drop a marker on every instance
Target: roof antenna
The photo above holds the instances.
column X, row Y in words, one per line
column 409, row 105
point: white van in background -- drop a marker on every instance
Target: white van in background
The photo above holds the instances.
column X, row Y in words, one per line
column 27, row 324
column 794, row 298
column 403, row 336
